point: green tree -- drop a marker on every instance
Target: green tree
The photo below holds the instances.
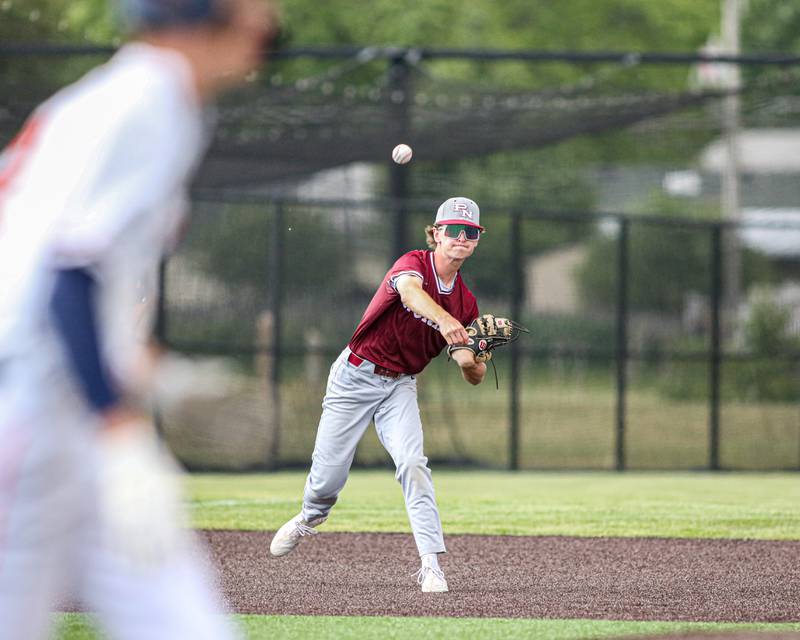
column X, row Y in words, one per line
column 766, row 331
column 233, row 244
column 619, row 25
column 770, row 26
column 57, row 21
column 665, row 262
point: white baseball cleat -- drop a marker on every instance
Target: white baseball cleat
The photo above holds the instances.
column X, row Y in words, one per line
column 288, row 536
column 431, row 580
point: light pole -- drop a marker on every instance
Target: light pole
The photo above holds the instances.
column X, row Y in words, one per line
column 729, row 188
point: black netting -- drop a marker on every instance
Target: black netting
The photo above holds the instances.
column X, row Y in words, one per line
column 283, row 127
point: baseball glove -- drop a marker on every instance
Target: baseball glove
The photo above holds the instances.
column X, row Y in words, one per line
column 487, row 333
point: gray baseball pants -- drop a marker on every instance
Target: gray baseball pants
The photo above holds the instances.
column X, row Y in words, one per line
column 355, row 396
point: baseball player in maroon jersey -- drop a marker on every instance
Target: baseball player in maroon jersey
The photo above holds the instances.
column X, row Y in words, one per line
column 421, row 305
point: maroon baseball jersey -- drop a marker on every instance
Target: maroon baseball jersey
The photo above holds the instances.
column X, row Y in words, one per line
column 393, row 336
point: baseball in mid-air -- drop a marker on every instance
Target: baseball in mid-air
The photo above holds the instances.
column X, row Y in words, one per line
column 402, row 153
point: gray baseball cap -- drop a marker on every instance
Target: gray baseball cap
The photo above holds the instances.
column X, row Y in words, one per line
column 459, row 210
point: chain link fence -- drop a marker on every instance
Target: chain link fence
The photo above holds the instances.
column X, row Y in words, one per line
column 633, row 361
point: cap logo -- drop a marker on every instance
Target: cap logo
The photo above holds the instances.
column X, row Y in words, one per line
column 463, row 209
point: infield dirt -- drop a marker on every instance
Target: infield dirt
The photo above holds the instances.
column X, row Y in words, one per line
column 516, row 577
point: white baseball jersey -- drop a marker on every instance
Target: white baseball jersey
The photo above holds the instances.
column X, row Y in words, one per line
column 97, row 179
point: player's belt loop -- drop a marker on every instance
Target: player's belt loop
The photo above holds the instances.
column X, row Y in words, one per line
column 354, row 359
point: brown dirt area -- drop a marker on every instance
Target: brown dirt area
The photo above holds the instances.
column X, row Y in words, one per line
column 517, row 577
column 745, row 635
column 723, row 636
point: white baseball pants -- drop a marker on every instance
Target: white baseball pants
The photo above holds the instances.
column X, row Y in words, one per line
column 51, row 542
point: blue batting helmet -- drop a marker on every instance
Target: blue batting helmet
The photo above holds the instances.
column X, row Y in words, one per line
column 159, row 14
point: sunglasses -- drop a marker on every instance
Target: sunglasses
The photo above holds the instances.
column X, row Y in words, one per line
column 454, row 230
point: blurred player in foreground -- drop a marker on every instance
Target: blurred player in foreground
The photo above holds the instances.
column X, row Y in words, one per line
column 421, row 305
column 92, row 195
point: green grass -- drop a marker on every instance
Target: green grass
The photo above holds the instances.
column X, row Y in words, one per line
column 692, row 505
column 75, row 627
